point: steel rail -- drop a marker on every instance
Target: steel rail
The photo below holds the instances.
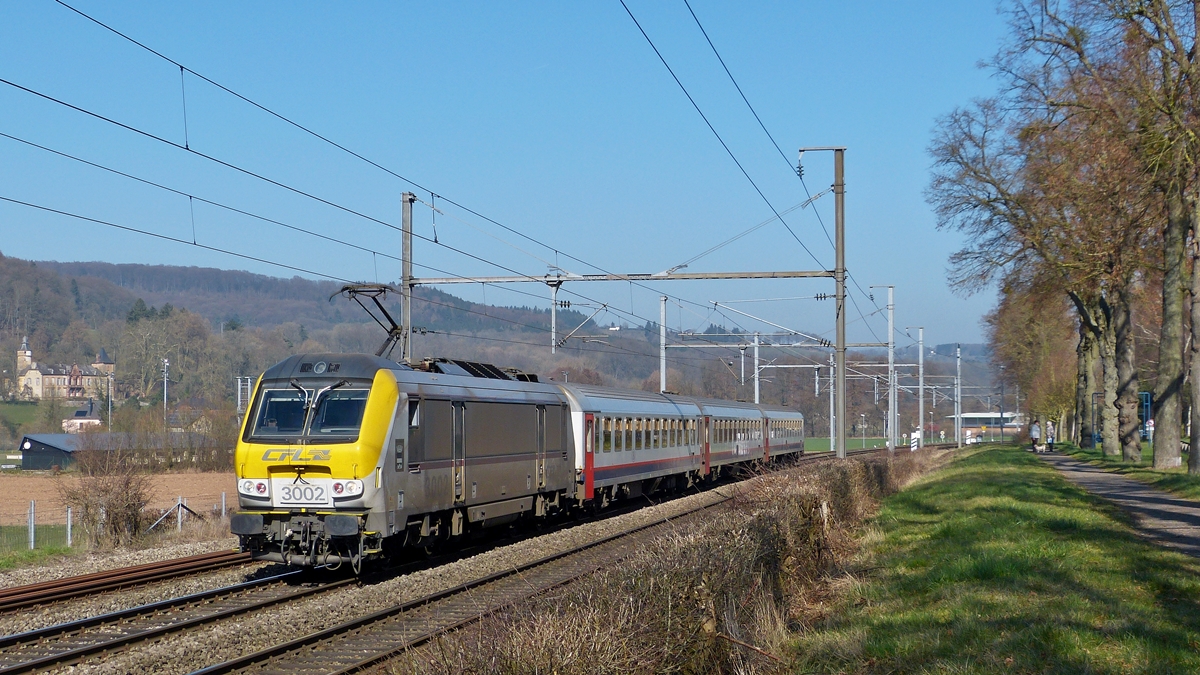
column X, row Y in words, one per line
column 270, row 657
column 355, row 645
column 69, row 643
column 18, row 597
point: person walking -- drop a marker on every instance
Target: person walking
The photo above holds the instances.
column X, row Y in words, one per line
column 1050, row 435
column 1035, row 435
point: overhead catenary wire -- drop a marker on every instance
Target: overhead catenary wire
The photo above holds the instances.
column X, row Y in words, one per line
column 718, row 136
column 357, row 155
column 798, row 170
column 165, row 237
column 373, row 163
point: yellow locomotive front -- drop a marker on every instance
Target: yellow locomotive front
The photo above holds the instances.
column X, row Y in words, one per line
column 310, row 460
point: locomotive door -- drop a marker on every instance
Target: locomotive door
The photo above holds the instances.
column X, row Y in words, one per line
column 540, row 461
column 457, row 456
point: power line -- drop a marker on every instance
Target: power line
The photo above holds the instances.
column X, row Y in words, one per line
column 797, row 170
column 714, row 131
column 377, row 165
column 174, row 239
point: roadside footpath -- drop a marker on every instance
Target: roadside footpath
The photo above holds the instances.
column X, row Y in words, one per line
column 999, row 564
column 1159, row 516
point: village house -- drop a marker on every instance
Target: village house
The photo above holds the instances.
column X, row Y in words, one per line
column 36, row 381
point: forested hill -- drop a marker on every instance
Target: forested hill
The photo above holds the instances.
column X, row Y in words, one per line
column 263, row 301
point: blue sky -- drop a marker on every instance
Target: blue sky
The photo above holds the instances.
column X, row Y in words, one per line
column 555, row 119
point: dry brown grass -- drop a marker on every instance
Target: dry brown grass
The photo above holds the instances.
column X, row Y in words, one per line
column 720, row 595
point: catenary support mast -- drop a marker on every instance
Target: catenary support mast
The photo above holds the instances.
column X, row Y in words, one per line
column 406, row 278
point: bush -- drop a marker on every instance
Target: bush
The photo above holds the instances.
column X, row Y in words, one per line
column 717, row 595
column 110, row 494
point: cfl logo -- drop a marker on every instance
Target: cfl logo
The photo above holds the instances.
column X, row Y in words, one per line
column 301, row 455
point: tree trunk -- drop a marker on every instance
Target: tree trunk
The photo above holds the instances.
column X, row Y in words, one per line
column 1110, row 436
column 1193, row 455
column 1085, row 384
column 1127, row 375
column 1168, row 392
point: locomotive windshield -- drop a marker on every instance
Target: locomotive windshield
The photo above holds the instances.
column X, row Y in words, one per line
column 284, row 414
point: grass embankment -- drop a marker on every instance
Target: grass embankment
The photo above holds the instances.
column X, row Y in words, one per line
column 716, row 595
column 821, row 443
column 997, row 564
column 1176, row 481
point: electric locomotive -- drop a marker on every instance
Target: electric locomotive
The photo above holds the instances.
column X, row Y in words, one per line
column 346, row 457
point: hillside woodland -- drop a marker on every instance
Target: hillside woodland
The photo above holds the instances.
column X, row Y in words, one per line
column 217, row 325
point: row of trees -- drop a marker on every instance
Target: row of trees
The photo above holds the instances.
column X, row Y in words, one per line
column 1077, row 190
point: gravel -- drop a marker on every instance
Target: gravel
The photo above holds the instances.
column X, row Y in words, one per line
column 95, row 605
column 212, row 644
column 75, row 565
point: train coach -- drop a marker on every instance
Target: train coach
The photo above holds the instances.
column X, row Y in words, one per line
column 346, row 457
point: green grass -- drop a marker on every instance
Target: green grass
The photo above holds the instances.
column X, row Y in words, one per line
column 50, row 540
column 821, row 443
column 1177, row 481
column 19, row 413
column 997, row 564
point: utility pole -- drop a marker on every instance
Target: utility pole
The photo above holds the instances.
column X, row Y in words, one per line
column 110, row 379
column 743, row 351
column 839, row 277
column 831, row 405
column 958, row 395
column 662, row 343
column 406, row 277
column 893, row 407
column 554, row 318
column 1001, row 404
column 166, row 365
column 756, row 369
column 921, row 385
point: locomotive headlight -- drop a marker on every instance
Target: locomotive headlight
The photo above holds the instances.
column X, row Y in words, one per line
column 254, row 488
column 347, row 488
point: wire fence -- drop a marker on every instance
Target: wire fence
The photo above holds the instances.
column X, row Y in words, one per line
column 49, row 525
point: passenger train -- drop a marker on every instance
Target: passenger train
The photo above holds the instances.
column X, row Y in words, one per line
column 347, row 457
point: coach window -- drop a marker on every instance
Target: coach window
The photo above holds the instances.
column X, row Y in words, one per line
column 607, row 442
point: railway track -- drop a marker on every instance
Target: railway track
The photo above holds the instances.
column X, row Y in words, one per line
column 365, row 641
column 18, row 597
column 72, row 642
column 340, row 649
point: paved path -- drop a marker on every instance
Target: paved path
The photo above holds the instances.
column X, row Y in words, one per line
column 1164, row 518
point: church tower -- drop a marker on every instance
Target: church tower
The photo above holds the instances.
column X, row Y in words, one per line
column 24, row 356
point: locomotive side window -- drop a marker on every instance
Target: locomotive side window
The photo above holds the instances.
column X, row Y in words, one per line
column 416, row 444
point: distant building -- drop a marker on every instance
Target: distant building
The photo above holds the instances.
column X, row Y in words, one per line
column 36, row 381
column 977, row 424
column 41, row 452
column 84, row 418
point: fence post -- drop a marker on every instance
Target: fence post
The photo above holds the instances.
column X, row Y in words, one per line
column 179, row 513
column 31, row 531
column 68, row 527
column 222, row 505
